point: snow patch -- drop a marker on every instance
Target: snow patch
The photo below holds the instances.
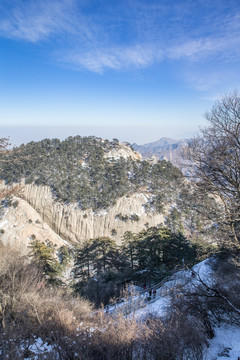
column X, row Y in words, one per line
column 225, row 344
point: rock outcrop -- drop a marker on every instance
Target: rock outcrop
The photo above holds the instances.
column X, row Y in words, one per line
column 20, row 223
column 123, row 151
column 75, row 225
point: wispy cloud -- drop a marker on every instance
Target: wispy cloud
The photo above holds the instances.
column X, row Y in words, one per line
column 226, row 47
column 33, row 21
column 130, row 34
column 116, row 58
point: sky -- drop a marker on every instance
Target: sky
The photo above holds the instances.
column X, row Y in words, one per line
column 136, row 70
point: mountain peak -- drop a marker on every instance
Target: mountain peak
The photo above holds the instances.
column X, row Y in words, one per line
column 164, row 148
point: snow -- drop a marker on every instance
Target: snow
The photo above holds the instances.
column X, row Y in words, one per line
column 100, row 213
column 158, row 307
column 225, row 344
column 39, row 347
column 4, row 224
column 204, row 270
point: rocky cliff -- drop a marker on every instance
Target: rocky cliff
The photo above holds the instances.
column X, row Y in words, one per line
column 75, row 225
column 20, row 223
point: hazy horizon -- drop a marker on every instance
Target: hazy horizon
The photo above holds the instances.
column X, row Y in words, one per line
column 23, row 134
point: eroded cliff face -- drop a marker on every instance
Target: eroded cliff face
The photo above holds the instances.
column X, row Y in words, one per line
column 75, row 225
column 20, row 223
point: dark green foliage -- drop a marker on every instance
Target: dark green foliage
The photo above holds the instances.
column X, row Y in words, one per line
column 155, row 251
column 15, row 204
column 102, row 268
column 43, row 255
column 97, row 256
column 77, row 170
column 129, row 248
column 64, row 257
column 174, row 220
column 121, row 217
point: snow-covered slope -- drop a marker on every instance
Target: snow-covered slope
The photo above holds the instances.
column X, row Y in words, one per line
column 226, row 342
column 182, row 278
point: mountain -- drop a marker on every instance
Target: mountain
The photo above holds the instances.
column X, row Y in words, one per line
column 86, row 187
column 164, row 149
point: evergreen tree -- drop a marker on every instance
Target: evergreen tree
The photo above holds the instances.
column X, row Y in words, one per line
column 44, row 257
column 129, row 248
column 84, row 259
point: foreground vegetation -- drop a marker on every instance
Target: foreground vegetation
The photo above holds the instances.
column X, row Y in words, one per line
column 103, row 270
column 31, row 309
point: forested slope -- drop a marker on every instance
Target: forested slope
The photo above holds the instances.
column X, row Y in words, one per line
column 81, row 169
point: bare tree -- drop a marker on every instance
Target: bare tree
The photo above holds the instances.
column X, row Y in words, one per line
column 214, row 158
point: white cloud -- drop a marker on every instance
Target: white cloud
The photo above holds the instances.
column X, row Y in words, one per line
column 113, row 58
column 155, row 33
column 227, row 47
column 36, row 20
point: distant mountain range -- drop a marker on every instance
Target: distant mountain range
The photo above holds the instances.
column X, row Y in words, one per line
column 164, row 149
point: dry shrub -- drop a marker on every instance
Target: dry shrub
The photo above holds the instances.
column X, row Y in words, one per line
column 177, row 336
column 17, row 276
column 116, row 340
column 30, row 308
column 53, row 310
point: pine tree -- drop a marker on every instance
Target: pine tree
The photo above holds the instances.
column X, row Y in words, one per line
column 129, row 248
column 44, row 256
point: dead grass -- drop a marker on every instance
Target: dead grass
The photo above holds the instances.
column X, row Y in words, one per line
column 32, row 309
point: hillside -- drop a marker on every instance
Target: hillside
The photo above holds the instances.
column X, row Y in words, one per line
column 89, row 171
column 86, row 187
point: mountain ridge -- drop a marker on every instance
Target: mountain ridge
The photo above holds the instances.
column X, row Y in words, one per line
column 163, row 149
column 89, row 187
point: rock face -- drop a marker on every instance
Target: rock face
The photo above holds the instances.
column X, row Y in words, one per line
column 20, row 222
column 123, row 151
column 75, row 225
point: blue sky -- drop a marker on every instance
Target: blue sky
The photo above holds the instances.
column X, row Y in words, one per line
column 133, row 69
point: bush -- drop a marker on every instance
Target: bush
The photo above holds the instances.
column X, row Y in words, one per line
column 30, row 309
